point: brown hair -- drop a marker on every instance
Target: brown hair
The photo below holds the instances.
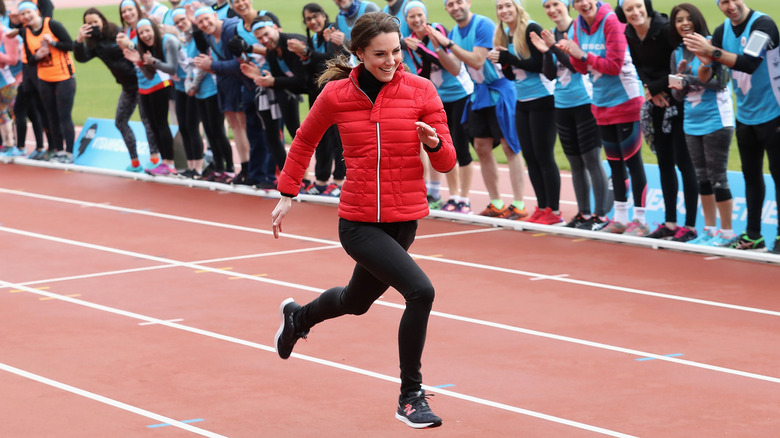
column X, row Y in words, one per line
column 366, row 28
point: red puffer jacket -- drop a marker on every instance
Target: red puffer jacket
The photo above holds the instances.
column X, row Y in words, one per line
column 381, row 150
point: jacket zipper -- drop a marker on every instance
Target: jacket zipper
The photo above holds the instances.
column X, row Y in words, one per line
column 378, row 155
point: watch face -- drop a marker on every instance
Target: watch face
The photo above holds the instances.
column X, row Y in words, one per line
column 716, row 53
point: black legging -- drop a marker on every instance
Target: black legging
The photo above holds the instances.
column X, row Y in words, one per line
column 189, row 120
column 214, row 126
column 156, row 107
column 536, row 129
column 753, row 141
column 28, row 106
column 671, row 150
column 623, row 140
column 382, row 261
column 57, row 99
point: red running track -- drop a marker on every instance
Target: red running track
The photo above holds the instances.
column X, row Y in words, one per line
column 130, row 309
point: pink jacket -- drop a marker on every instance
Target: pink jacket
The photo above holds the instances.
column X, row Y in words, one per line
column 381, row 150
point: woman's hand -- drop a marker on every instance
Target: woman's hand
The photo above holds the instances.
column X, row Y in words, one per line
column 412, row 43
column 427, row 134
column 202, row 62
column 570, row 48
column 148, row 58
column 436, row 36
column 296, row 46
column 540, row 42
column 280, row 211
column 494, row 54
column 84, row 32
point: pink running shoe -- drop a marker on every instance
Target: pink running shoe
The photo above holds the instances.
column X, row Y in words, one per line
column 161, row 169
column 549, row 218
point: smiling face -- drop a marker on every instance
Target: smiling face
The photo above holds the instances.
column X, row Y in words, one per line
column 506, row 11
column 207, row 23
column 587, row 9
column 242, row 7
column 683, row 23
column 734, row 10
column 416, row 19
column 382, row 56
column 315, row 21
column 146, row 35
column 30, row 18
column 459, row 10
column 182, row 23
column 556, row 11
column 129, row 15
column 268, row 36
column 636, row 13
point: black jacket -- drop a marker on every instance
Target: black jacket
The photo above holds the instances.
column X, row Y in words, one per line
column 298, row 81
column 651, row 55
column 111, row 55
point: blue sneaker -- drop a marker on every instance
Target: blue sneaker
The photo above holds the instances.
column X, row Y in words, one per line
column 12, row 152
column 702, row 239
column 719, row 241
column 136, row 169
column 37, row 154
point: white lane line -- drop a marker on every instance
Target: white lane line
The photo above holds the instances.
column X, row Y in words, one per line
column 549, row 277
column 436, row 259
column 378, row 302
column 108, row 401
column 166, row 266
column 155, row 323
column 312, row 359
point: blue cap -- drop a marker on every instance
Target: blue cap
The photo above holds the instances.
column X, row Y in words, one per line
column 26, row 5
column 415, row 4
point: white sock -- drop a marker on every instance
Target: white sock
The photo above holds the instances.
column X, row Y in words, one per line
column 727, row 234
column 639, row 215
column 621, row 212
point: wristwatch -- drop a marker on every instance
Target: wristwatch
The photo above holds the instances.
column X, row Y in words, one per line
column 717, row 53
column 451, row 43
column 584, row 58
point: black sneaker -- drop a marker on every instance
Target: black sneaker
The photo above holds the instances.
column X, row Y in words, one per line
column 595, row 223
column 744, row 242
column 776, row 247
column 576, row 221
column 664, row 232
column 287, row 335
column 413, row 410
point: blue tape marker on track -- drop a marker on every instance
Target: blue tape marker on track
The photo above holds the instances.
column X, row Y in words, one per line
column 445, row 386
column 665, row 355
column 166, row 424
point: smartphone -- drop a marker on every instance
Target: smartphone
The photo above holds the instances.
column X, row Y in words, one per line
column 244, row 57
column 756, row 43
column 675, row 80
column 94, row 31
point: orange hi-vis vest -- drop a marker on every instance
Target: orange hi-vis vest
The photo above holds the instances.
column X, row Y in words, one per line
column 57, row 66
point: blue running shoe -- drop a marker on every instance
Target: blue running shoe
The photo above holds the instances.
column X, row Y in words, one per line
column 719, row 241
column 136, row 169
column 702, row 239
column 12, row 151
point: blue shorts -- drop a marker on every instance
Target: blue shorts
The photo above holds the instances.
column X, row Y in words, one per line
column 229, row 95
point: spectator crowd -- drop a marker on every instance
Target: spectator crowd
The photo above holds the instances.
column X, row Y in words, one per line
column 606, row 80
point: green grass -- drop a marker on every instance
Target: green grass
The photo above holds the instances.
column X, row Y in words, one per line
column 97, row 91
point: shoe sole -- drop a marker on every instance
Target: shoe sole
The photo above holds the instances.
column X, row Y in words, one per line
column 416, row 425
column 281, row 326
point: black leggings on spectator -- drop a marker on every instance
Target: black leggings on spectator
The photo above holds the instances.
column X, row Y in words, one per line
column 156, row 107
column 57, row 99
column 536, row 129
column 671, row 150
column 214, row 125
column 28, row 106
column 753, row 141
column 623, row 140
column 189, row 121
column 581, row 143
column 380, row 251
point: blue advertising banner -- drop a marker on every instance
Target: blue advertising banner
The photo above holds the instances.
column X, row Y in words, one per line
column 655, row 203
column 100, row 144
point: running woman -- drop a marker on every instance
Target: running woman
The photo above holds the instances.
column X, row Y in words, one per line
column 377, row 230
